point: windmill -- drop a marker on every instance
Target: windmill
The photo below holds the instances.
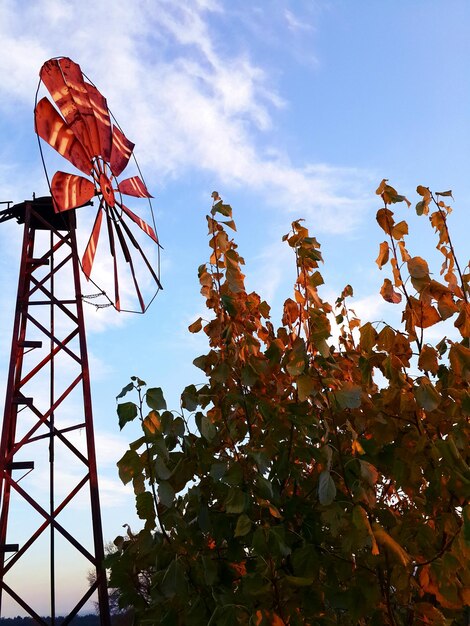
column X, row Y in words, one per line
column 48, row 473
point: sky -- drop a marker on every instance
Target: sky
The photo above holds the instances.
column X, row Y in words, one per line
column 290, row 109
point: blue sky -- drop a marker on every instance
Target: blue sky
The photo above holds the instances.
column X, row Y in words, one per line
column 288, row 108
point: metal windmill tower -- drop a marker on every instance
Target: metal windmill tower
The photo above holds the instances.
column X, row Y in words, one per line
column 48, row 473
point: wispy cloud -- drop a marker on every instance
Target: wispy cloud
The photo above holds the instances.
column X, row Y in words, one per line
column 188, row 102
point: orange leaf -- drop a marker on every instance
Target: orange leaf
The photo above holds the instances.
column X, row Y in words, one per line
column 417, row 267
column 385, row 220
column 196, row 326
column 382, row 259
column 400, row 230
column 463, row 320
column 387, row 292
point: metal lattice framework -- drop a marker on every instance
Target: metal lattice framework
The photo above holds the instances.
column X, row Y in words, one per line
column 48, row 341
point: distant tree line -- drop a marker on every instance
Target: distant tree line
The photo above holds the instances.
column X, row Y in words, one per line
column 81, row 620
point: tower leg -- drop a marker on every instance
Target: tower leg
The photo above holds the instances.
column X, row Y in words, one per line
column 48, row 370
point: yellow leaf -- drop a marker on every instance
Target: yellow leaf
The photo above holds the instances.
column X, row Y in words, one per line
column 384, row 539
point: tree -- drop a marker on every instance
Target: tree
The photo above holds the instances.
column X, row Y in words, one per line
column 292, row 487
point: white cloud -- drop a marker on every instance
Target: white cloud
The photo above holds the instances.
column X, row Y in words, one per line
column 186, row 101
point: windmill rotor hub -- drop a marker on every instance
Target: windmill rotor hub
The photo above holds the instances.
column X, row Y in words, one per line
column 107, row 190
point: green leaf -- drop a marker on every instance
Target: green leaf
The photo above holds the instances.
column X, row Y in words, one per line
column 243, row 526
column 305, row 386
column 236, row 501
column 299, row 581
column 207, row 428
column 189, row 398
column 144, row 506
column 349, row 396
column 426, row 395
column 125, row 390
column 154, row 398
column 326, row 488
column 166, row 493
column 129, row 465
column 227, row 303
column 210, row 570
column 264, row 487
column 127, row 411
column 161, row 469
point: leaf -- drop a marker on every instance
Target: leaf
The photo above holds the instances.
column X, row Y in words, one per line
column 299, row 581
column 243, row 526
column 196, row 326
column 161, row 469
column 385, row 220
column 426, row 394
column 427, row 360
column 326, row 488
column 361, row 521
column 462, row 323
column 388, row 293
column 125, row 390
column 152, row 423
column 144, row 506
column 445, row 193
column 393, row 546
column 349, row 396
column 189, row 398
column 230, row 224
column 400, row 230
column 368, row 337
column 154, row 398
column 236, row 501
column 127, row 411
column 382, row 259
column 305, row 386
column 207, row 428
column 417, row 267
column 166, row 493
column 129, row 465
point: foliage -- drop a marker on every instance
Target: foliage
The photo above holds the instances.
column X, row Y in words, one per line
column 309, row 481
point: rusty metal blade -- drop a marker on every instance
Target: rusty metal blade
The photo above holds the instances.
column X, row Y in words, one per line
column 90, row 250
column 140, row 222
column 134, row 186
column 127, row 256
column 51, row 127
column 120, row 152
column 103, row 122
column 70, row 191
column 109, row 224
column 64, row 80
column 144, row 258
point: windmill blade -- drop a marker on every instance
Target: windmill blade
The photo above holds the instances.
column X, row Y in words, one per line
column 52, row 128
column 70, row 191
column 64, row 80
column 127, row 256
column 136, row 245
column 134, row 186
column 117, row 302
column 90, row 250
column 103, row 122
column 140, row 222
column 120, row 152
